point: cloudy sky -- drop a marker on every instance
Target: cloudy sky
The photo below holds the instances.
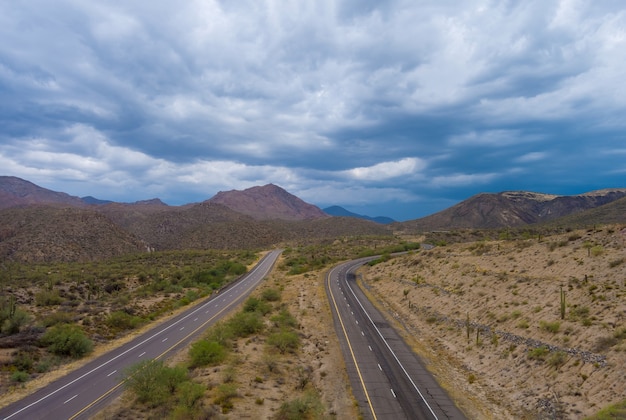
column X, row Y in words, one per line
column 395, row 108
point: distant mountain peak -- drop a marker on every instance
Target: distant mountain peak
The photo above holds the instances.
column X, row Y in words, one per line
column 339, row 211
column 151, row 202
column 17, row 192
column 268, row 202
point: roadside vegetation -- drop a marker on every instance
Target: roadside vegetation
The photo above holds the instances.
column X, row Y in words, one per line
column 54, row 313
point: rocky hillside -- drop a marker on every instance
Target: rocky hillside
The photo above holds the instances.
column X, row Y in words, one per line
column 267, row 203
column 51, row 233
column 16, row 192
column 511, row 209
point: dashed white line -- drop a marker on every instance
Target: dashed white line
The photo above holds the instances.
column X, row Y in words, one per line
column 381, row 369
column 195, row 319
column 393, row 393
column 112, row 373
column 142, row 354
column 362, row 333
column 370, row 347
column 164, row 340
column 182, row 328
column 71, row 399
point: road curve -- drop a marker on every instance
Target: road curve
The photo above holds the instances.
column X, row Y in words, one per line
column 388, row 379
column 88, row 389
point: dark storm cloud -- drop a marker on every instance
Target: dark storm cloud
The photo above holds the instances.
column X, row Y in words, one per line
column 394, row 105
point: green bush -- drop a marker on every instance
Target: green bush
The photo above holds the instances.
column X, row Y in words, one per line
column 19, row 376
column 308, row 406
column 121, row 320
column 538, row 353
column 12, row 323
column 244, row 324
column 48, row 298
column 284, row 320
column 270, row 295
column 67, row 340
column 552, row 327
column 204, row 352
column 284, row 341
column 154, row 383
column 557, row 359
column 255, row 305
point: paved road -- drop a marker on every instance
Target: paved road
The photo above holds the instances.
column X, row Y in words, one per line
column 85, row 391
column 388, row 379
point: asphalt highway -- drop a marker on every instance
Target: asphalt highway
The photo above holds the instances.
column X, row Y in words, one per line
column 86, row 390
column 388, row 380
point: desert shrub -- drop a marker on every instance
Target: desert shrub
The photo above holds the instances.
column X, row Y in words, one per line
column 308, row 406
column 67, row 340
column 245, row 323
column 204, row 352
column 552, row 327
column 284, row 319
column 224, row 395
column 12, row 323
column 597, row 250
column 20, row 376
column 538, row 353
column 221, row 333
column 617, row 262
column 612, row 412
column 255, row 305
column 154, row 383
column 48, row 298
column 284, row 341
column 557, row 359
column 121, row 320
column 58, row 317
column 189, row 394
column 270, row 295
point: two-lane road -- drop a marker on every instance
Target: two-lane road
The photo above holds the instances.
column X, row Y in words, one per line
column 86, row 390
column 388, row 379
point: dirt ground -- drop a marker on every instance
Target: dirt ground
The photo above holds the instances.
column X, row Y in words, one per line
column 487, row 318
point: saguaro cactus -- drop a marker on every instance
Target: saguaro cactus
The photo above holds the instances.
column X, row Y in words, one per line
column 562, row 303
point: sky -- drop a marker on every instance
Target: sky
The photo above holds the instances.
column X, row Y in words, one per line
column 387, row 108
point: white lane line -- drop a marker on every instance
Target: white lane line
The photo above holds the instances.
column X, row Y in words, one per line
column 182, row 328
column 164, row 340
column 112, row 373
column 195, row 319
column 142, row 354
column 71, row 399
column 362, row 333
column 393, row 393
column 357, row 321
column 370, row 347
column 381, row 369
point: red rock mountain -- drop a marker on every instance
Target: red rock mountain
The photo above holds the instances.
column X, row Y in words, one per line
column 268, row 202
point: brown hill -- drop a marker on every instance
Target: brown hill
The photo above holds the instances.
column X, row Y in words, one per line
column 511, row 209
column 16, row 192
column 267, row 203
column 53, row 233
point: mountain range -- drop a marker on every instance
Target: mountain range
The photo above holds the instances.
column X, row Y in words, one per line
column 37, row 224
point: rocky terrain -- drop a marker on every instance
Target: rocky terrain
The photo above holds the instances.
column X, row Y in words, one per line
column 529, row 328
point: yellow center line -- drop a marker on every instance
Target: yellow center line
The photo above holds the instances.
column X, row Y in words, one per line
column 332, row 296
